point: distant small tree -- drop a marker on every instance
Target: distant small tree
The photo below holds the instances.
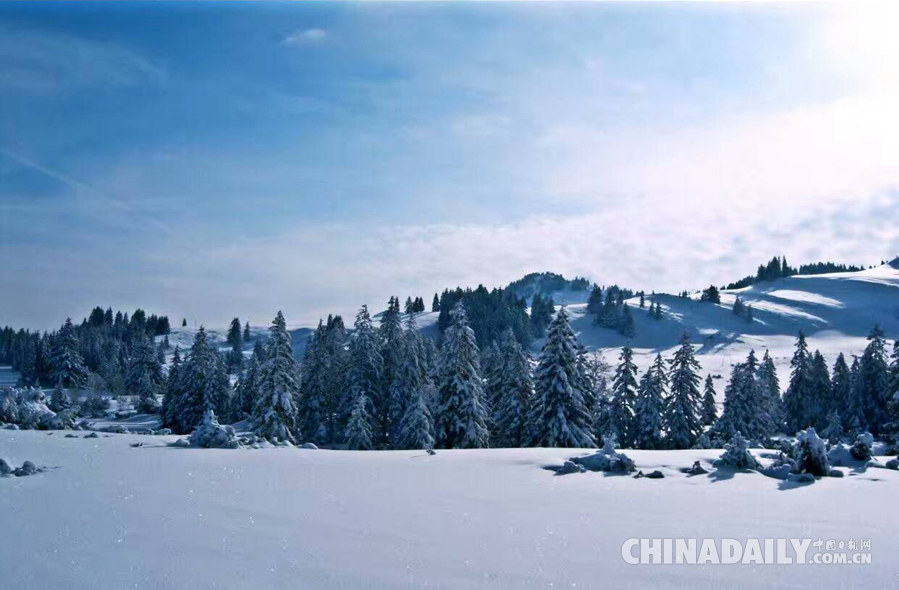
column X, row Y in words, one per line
column 711, row 295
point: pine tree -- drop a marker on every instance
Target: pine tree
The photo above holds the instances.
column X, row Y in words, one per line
column 624, row 398
column 770, row 384
column 246, row 332
column 59, row 400
column 873, row 383
column 172, row 395
column 66, row 363
column 391, row 336
column 840, row 387
column 416, row 427
column 409, row 383
column 834, row 430
column 709, row 410
column 798, row 397
column 184, row 323
column 492, row 365
column 275, row 414
column 365, row 364
column 147, row 403
column 461, row 420
column 435, row 305
column 248, row 386
column 649, row 406
column 234, row 336
column 560, row 415
column 312, row 405
column 358, row 433
column 821, row 391
column 682, row 410
column 143, row 361
column 512, row 420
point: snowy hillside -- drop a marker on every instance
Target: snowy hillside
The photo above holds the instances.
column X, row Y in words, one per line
column 114, row 516
column 836, row 312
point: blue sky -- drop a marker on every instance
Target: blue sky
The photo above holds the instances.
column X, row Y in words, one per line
column 209, row 159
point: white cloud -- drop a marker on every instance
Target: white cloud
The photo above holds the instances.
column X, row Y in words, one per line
column 305, row 36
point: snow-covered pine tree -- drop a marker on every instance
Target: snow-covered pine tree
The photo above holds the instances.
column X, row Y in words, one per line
column 834, row 431
column 365, row 365
column 745, row 404
column 408, row 384
column 683, row 423
column 234, row 334
column 435, row 304
column 391, row 336
column 416, row 427
column 312, row 405
column 770, row 384
column 840, row 387
column 799, row 395
column 172, row 395
column 517, row 387
column 246, row 332
column 560, row 415
column 821, row 391
column 461, row 420
column 709, row 411
column 143, row 361
column 275, row 414
column 248, row 386
column 624, row 398
column 492, row 369
column 66, row 363
column 59, row 399
column 649, row 407
column 358, row 430
column 147, row 402
column 874, row 383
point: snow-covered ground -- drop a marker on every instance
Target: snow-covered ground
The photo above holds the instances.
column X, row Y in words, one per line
column 113, row 516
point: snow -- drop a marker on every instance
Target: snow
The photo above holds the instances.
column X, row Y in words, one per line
column 112, row 516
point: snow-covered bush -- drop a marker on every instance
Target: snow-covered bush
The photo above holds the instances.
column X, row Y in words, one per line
column 736, row 454
column 607, row 460
column 861, row 449
column 33, row 409
column 212, row 435
column 703, row 442
column 63, row 420
column 148, row 404
column 95, row 405
column 59, row 400
column 9, row 405
column 810, row 454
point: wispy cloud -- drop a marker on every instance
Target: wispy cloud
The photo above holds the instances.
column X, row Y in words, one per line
column 47, row 62
column 305, row 36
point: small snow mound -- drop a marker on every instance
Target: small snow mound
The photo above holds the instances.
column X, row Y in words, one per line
column 570, row 467
column 5, row 469
column 310, row 446
column 861, row 450
column 835, row 473
column 893, row 464
column 212, row 435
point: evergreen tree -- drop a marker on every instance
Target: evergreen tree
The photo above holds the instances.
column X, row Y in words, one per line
column 248, row 385
column 391, row 336
column 770, row 384
column 416, row 427
column 873, row 382
column 624, row 398
column 799, row 397
column 143, row 361
column 59, row 400
column 275, row 414
column 683, row 422
column 492, row 368
column 147, row 403
column 649, row 407
column 234, row 336
column 561, row 418
column 66, row 363
column 172, row 395
column 517, row 387
column 461, row 420
column 834, row 430
column 853, row 411
column 409, row 383
column 822, row 393
column 184, row 323
column 840, row 387
column 435, row 305
column 312, row 404
column 365, row 363
column 358, row 432
column 708, row 411
column 246, row 332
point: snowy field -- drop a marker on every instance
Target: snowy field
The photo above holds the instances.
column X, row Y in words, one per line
column 108, row 515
